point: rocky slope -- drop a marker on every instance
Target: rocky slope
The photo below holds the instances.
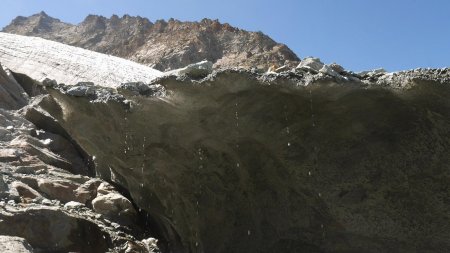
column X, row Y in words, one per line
column 163, row 45
column 50, row 200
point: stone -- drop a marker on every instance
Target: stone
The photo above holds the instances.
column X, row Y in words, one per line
column 87, row 191
column 195, row 70
column 113, row 205
column 14, row 244
column 3, row 187
column 46, row 202
column 133, row 88
column 25, row 192
column 327, row 70
column 272, row 68
column 12, row 95
column 28, row 169
column 89, row 84
column 81, row 91
column 105, row 188
column 73, row 205
column 49, row 82
column 311, row 63
column 58, row 189
column 151, row 244
column 9, row 154
column 282, row 69
column 33, row 147
column 51, row 229
column 140, row 88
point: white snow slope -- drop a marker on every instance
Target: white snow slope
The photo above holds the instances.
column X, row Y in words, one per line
column 40, row 59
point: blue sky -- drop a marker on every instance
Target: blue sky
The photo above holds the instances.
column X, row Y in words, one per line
column 358, row 34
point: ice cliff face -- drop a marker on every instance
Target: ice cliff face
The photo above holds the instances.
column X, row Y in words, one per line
column 164, row 45
column 312, row 158
column 241, row 162
column 41, row 59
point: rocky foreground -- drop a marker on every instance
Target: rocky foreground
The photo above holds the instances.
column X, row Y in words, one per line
column 312, row 158
column 50, row 198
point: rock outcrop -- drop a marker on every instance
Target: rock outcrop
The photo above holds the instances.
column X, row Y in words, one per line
column 14, row 244
column 164, row 45
column 12, row 95
column 46, row 190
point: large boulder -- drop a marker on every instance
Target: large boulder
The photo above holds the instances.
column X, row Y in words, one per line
column 12, row 95
column 113, row 205
column 25, row 192
column 14, row 244
column 50, row 229
column 58, row 189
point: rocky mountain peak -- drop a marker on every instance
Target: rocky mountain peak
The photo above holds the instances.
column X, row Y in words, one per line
column 94, row 23
column 37, row 24
column 164, row 45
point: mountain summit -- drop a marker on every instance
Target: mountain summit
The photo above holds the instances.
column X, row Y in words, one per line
column 163, row 45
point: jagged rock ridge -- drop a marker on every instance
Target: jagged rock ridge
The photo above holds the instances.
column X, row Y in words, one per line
column 164, row 45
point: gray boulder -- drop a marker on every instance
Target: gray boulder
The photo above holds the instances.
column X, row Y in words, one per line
column 12, row 95
column 113, row 204
column 14, row 244
column 47, row 82
column 196, row 70
column 327, row 70
column 81, row 91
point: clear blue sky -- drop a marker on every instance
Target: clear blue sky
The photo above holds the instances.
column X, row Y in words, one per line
column 358, row 34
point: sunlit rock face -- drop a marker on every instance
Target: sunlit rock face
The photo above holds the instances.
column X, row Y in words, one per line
column 164, row 45
column 237, row 164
